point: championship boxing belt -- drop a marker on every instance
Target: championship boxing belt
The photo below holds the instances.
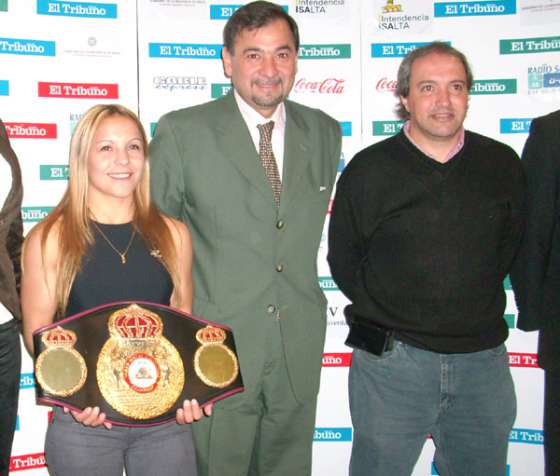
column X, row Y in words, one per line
column 136, row 361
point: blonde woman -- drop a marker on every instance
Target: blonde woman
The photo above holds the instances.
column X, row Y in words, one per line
column 106, row 242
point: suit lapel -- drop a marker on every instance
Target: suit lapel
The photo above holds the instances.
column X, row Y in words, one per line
column 238, row 147
column 296, row 154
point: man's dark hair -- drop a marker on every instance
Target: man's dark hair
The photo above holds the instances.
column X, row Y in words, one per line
column 255, row 15
column 405, row 70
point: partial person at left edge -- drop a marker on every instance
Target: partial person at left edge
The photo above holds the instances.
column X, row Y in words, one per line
column 11, row 234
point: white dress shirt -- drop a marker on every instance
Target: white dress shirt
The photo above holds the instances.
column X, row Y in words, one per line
column 253, row 119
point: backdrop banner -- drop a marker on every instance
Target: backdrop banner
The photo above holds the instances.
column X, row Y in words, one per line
column 59, row 58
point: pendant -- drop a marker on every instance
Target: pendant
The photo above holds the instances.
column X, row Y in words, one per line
column 123, row 259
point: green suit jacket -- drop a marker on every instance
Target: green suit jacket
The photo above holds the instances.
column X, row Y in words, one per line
column 252, row 261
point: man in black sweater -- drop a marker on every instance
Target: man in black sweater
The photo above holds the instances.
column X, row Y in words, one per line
column 536, row 272
column 424, row 228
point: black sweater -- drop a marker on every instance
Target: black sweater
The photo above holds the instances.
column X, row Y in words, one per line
column 422, row 247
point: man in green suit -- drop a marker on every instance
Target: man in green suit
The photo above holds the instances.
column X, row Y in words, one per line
column 255, row 240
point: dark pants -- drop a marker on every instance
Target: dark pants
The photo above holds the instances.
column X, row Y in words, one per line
column 552, row 421
column 10, row 367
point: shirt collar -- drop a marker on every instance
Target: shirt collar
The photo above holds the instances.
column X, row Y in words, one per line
column 452, row 153
column 253, row 118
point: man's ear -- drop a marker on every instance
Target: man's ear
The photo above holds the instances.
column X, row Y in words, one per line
column 404, row 102
column 226, row 61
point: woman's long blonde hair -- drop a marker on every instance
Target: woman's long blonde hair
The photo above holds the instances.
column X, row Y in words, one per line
column 71, row 215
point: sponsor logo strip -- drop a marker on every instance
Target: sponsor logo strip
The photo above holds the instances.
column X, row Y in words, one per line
column 346, row 128
column 171, row 83
column 4, row 87
column 530, row 45
column 19, row 46
column 26, row 381
column 517, row 359
column 462, row 9
column 336, row 51
column 332, row 434
column 53, row 172
column 341, row 165
column 220, row 89
column 327, row 283
column 523, row 435
column 323, row 86
column 223, row 12
column 76, row 9
column 316, row 6
column 494, row 86
column 393, row 50
column 543, row 78
column 386, row 128
column 29, row 461
column 78, row 90
column 386, row 85
column 510, row 320
column 515, row 125
column 35, row 214
column 551, row 80
column 341, row 359
column 30, row 130
column 184, row 50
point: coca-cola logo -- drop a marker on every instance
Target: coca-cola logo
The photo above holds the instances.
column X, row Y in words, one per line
column 325, row 86
column 385, row 85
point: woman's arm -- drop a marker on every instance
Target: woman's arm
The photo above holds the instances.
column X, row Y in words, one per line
column 38, row 282
column 183, row 297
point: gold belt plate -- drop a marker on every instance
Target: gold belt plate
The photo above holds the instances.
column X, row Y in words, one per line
column 139, row 372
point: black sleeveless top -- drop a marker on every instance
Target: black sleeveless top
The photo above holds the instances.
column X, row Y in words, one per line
column 104, row 279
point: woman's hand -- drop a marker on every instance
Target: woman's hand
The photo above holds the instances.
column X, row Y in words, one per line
column 192, row 411
column 90, row 417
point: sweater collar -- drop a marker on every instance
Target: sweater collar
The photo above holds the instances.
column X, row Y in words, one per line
column 452, row 153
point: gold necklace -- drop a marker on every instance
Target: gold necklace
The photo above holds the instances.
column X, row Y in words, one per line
column 121, row 254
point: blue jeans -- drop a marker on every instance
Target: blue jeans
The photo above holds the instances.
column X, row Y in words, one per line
column 466, row 402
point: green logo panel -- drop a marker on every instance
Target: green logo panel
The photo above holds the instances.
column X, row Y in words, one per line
column 544, row 44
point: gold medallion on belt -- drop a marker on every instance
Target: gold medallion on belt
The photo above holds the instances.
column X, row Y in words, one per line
column 214, row 362
column 139, row 372
column 60, row 369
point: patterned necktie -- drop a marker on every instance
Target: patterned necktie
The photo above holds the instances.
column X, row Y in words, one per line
column 268, row 161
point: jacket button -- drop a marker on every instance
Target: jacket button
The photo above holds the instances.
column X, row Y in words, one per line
column 279, row 268
column 280, row 224
column 271, row 309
